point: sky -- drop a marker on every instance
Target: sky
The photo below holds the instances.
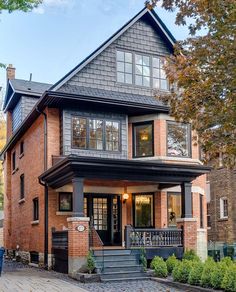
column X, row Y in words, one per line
column 52, row 39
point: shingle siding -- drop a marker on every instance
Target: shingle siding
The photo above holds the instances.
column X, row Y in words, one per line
column 27, row 104
column 17, row 115
column 67, row 132
column 101, row 72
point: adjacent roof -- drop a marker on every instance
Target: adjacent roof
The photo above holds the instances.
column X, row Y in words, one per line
column 17, row 87
column 112, row 95
column 145, row 11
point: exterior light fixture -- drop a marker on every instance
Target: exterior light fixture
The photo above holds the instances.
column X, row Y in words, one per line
column 125, row 195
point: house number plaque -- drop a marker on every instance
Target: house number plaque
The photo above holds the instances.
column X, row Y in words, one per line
column 80, row 228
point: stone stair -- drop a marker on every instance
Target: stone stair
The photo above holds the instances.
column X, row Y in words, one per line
column 118, row 264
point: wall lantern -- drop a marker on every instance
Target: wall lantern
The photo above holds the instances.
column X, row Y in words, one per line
column 125, row 195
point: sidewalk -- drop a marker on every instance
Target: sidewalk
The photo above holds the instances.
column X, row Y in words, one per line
column 18, row 278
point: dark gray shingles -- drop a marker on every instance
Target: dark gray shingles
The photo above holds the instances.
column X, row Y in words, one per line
column 112, row 95
column 29, row 86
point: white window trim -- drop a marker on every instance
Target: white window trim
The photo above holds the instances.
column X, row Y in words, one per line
column 222, row 207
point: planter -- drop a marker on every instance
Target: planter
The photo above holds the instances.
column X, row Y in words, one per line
column 87, row 278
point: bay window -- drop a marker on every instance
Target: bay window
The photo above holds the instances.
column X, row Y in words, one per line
column 143, row 139
column 178, row 139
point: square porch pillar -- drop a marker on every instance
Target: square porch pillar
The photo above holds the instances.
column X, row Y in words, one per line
column 186, row 198
column 78, row 230
column 78, row 196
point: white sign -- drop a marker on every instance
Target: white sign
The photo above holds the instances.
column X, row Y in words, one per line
column 80, row 228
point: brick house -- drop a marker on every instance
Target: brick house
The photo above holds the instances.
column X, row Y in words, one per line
column 96, row 162
column 221, row 206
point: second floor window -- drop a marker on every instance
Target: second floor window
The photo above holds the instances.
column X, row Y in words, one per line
column 13, row 161
column 141, row 70
column 35, row 209
column 95, row 134
column 178, row 139
column 21, row 147
column 143, row 140
column 22, row 186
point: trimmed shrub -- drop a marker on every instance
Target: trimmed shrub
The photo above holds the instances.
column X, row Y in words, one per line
column 90, row 262
column 227, row 260
column 190, row 255
column 159, row 267
column 195, row 273
column 217, row 274
column 181, row 271
column 171, row 263
column 143, row 259
column 229, row 280
column 206, row 273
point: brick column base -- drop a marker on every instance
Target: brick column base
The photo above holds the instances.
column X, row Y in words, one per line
column 189, row 226
column 78, row 243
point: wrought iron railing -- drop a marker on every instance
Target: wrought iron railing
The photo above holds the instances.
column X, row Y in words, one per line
column 137, row 237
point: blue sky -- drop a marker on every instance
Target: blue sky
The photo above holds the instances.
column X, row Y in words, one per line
column 55, row 37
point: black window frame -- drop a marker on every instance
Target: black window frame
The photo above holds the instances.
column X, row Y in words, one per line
column 208, row 215
column 201, row 211
column 189, row 139
column 104, row 120
column 22, row 186
column 14, row 161
column 22, row 148
column 59, row 202
column 36, row 209
column 153, row 209
column 134, row 125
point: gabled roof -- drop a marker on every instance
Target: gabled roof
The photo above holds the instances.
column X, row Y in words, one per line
column 145, row 11
column 18, row 87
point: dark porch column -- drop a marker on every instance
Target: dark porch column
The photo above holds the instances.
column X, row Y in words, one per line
column 186, row 196
column 78, row 197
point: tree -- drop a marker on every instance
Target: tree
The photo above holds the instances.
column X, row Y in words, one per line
column 203, row 74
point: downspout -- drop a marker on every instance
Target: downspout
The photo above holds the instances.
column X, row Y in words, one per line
column 45, row 192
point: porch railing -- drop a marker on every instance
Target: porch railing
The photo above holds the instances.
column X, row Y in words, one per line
column 139, row 237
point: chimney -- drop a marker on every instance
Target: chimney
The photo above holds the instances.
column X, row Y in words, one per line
column 10, row 72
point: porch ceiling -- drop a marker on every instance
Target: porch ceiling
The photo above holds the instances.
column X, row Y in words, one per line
column 118, row 169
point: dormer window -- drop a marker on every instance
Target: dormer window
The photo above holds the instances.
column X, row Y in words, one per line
column 141, row 70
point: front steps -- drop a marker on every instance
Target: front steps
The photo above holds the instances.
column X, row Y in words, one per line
column 118, row 264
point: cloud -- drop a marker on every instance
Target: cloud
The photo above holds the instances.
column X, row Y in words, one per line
column 53, row 4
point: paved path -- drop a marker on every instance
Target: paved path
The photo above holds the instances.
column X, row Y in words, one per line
column 17, row 278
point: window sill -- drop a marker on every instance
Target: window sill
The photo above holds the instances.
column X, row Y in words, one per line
column 61, row 213
column 35, row 222
column 15, row 170
column 21, row 201
column 21, row 155
column 223, row 219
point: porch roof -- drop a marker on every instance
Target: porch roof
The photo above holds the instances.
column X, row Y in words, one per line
column 119, row 169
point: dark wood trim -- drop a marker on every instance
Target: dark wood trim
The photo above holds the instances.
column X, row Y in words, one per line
column 133, row 209
column 133, row 138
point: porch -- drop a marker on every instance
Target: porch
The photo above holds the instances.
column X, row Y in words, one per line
column 123, row 203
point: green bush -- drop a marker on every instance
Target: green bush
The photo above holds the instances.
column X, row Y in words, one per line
column 90, row 262
column 209, row 266
column 195, row 273
column 143, row 258
column 171, row 262
column 227, row 260
column 159, row 267
column 229, row 280
column 181, row 271
column 190, row 255
column 217, row 274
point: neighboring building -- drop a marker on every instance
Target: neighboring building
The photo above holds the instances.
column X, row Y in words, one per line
column 221, row 212
column 99, row 161
column 1, row 228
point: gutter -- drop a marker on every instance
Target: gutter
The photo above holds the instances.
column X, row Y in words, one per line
column 45, row 192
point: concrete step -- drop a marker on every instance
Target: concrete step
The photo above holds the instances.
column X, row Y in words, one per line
column 126, row 279
column 133, row 268
column 119, row 262
column 116, row 257
column 112, row 252
column 122, row 275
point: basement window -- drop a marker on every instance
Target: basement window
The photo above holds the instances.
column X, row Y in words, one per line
column 34, row 257
column 35, row 209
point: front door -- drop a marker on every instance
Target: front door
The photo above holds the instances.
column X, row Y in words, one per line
column 105, row 212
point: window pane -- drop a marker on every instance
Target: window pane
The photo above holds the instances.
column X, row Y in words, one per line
column 156, row 83
column 120, row 77
column 156, row 62
column 138, row 59
column 178, row 139
column 143, row 140
column 138, row 69
column 96, row 134
column 146, row 71
column 138, row 80
column 156, row 73
column 174, row 208
column 146, row 81
column 128, row 78
column 143, row 210
column 146, row 61
column 164, row 84
column 163, row 74
column 65, row 201
column 120, row 66
column 112, row 135
column 79, row 132
column 128, row 68
column 128, row 57
column 120, row 56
